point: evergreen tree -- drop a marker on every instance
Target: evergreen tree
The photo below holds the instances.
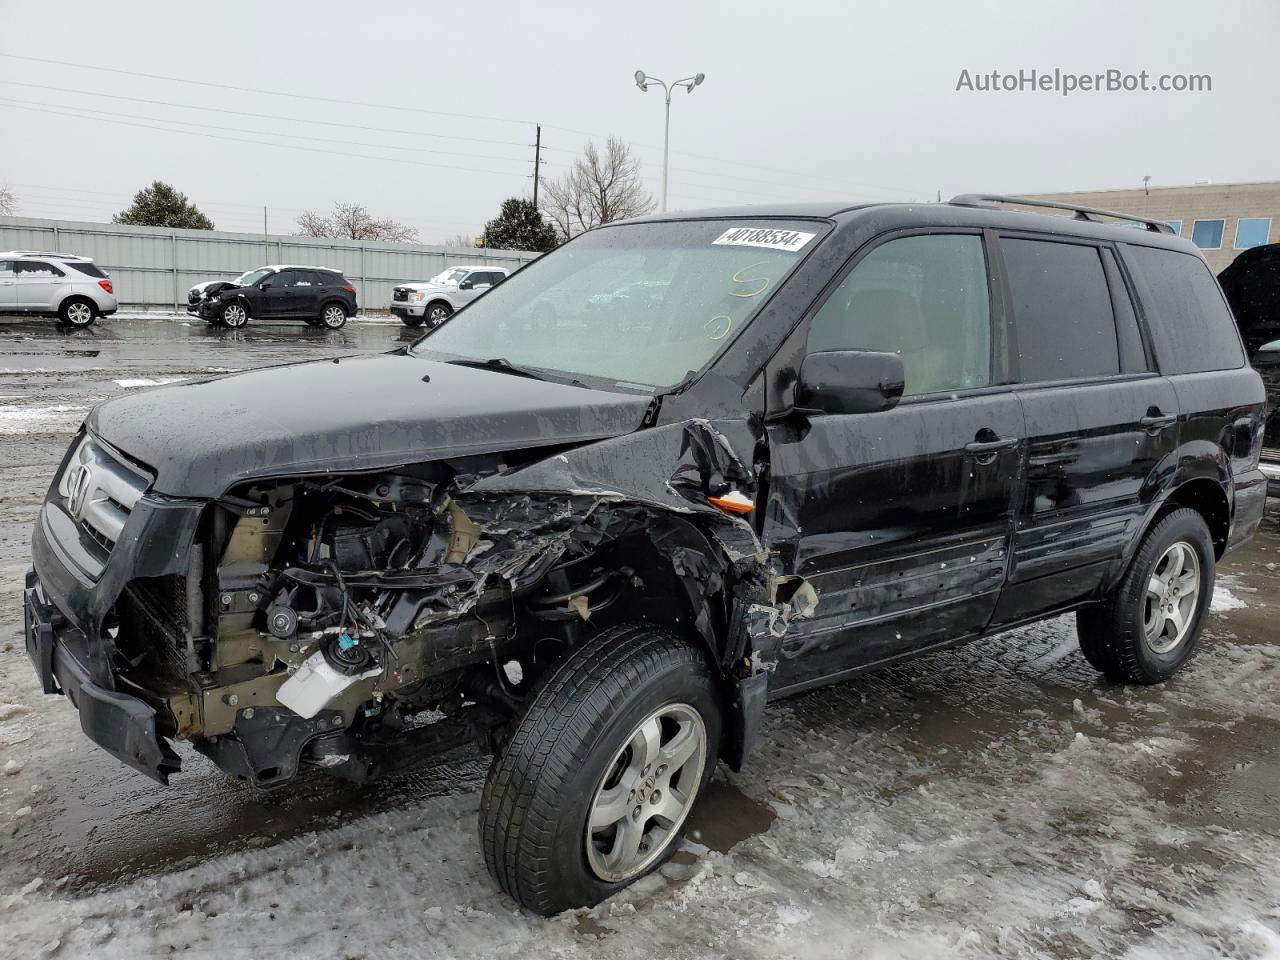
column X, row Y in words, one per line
column 519, row 227
column 160, row 205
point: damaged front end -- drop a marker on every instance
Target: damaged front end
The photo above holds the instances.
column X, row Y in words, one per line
column 349, row 621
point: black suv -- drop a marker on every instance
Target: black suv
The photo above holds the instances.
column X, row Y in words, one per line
column 318, row 295
column 595, row 534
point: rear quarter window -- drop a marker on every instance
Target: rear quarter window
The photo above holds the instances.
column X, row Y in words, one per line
column 1190, row 324
column 88, row 269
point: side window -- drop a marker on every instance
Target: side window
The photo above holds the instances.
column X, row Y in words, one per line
column 34, row 268
column 1061, row 309
column 1190, row 325
column 1133, row 355
column 6, row 268
column 285, row 278
column 924, row 298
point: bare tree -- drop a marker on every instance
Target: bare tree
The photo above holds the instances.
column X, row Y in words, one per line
column 460, row 240
column 8, row 201
column 599, row 188
column 351, row 221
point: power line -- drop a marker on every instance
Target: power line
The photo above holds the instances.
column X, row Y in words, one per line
column 270, row 93
column 263, row 143
column 293, row 136
column 262, row 116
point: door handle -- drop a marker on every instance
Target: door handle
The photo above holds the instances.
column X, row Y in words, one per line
column 982, row 448
column 1157, row 422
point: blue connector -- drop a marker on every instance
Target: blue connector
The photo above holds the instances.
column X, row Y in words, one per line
column 346, row 642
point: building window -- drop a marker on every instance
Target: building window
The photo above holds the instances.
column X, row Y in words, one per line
column 1207, row 234
column 1252, row 232
column 1177, row 226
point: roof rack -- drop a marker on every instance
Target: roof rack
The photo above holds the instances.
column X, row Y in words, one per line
column 1090, row 214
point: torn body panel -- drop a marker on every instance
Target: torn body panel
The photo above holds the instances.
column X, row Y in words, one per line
column 308, row 619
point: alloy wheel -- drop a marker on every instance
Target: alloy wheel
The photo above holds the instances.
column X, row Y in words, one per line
column 334, row 317
column 80, row 314
column 1173, row 597
column 646, row 792
column 234, row 316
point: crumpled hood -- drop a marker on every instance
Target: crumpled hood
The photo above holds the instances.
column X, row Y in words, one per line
column 356, row 413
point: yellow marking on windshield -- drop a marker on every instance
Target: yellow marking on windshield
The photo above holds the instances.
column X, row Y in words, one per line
column 763, row 281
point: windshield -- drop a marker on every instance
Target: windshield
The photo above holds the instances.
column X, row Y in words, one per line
column 452, row 275
column 638, row 304
column 252, row 277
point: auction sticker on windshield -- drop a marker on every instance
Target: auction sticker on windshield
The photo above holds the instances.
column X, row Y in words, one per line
column 791, row 240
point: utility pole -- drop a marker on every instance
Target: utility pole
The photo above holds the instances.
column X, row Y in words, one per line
column 265, row 242
column 537, row 157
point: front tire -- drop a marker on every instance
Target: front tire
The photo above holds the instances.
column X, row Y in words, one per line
column 78, row 312
column 233, row 315
column 1150, row 625
column 437, row 313
column 596, row 783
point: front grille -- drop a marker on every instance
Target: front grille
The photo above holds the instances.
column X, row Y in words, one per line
column 100, row 493
column 400, row 293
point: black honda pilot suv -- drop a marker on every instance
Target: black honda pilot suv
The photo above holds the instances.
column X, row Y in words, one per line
column 595, row 534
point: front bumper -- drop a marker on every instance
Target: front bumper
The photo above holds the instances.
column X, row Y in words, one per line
column 402, row 308
column 120, row 724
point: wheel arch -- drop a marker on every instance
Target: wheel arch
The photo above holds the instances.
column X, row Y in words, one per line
column 331, row 301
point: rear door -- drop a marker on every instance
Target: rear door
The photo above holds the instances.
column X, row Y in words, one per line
column 303, row 298
column 39, row 285
column 901, row 520
column 1102, row 425
column 7, row 293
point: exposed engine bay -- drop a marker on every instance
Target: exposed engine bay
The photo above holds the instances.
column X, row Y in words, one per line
column 334, row 621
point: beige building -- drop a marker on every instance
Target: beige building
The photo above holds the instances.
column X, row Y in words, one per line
column 1220, row 218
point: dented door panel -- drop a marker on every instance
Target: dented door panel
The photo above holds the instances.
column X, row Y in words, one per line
column 902, row 532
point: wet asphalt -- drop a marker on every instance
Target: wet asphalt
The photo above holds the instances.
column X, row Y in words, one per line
column 98, row 823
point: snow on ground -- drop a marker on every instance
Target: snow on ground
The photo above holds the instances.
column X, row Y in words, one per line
column 147, row 381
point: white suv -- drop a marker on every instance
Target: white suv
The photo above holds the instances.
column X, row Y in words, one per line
column 61, row 285
column 436, row 299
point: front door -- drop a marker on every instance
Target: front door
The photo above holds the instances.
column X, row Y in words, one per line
column 900, row 520
column 272, row 298
column 1101, row 425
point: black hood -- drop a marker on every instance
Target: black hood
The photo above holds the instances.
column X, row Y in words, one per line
column 1252, row 286
column 357, row 413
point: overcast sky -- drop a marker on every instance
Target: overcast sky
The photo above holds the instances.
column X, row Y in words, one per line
column 831, row 100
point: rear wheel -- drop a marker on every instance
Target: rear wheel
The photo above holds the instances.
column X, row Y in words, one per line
column 437, row 313
column 78, row 312
column 333, row 316
column 1150, row 625
column 596, row 783
column 234, row 315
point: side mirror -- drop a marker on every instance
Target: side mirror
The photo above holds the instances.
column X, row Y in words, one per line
column 466, row 285
column 263, row 285
column 849, row 381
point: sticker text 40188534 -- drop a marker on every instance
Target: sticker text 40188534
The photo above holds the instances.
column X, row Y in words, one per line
column 791, row 240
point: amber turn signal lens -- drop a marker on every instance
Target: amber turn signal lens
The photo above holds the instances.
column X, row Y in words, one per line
column 733, row 502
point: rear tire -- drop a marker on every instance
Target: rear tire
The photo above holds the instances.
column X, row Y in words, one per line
column 1150, row 625
column 624, row 734
column 333, row 316
column 78, row 312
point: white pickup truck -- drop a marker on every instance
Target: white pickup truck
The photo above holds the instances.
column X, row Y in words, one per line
column 435, row 300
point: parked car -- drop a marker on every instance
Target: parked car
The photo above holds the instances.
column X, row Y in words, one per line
column 1252, row 286
column 63, row 285
column 854, row 435
column 434, row 301
column 318, row 295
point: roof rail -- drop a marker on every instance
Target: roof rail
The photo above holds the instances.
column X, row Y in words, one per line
column 45, row 253
column 1090, row 214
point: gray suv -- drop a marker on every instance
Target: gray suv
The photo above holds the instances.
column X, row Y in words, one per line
column 435, row 300
column 72, row 288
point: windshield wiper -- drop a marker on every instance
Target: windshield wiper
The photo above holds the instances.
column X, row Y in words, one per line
column 501, row 364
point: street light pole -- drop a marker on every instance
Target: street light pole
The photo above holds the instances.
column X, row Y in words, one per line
column 642, row 81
